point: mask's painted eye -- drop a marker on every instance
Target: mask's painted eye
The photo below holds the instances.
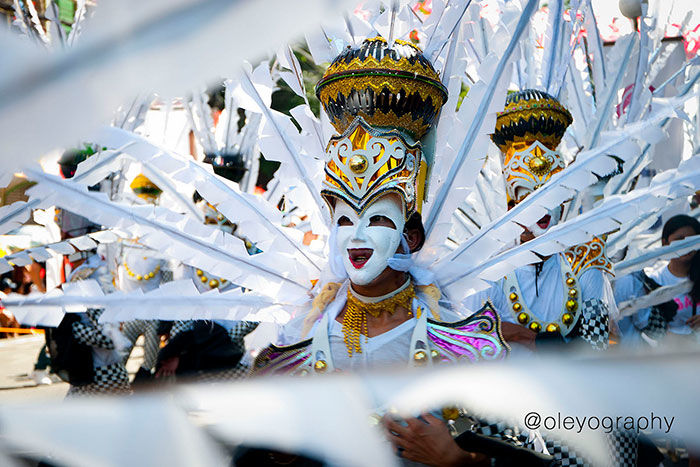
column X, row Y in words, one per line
column 344, row 221
column 381, row 221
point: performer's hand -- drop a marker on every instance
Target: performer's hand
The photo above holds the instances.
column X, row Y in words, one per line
column 168, row 367
column 515, row 333
column 694, row 322
column 428, row 441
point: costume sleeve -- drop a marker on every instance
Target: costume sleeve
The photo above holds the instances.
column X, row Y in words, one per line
column 493, row 294
column 630, row 287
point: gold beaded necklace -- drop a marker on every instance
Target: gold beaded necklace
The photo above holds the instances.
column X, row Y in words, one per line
column 213, row 283
column 527, row 318
column 355, row 318
column 141, row 277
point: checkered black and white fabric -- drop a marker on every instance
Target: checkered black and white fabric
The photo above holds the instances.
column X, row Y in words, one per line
column 110, row 379
column 239, row 331
column 565, row 455
column 240, row 371
column 151, row 342
column 623, row 448
column 88, row 334
column 180, row 326
column 594, row 323
column 657, row 326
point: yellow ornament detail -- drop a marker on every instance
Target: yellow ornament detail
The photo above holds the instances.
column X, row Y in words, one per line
column 420, row 357
column 517, row 307
column 320, row 366
column 450, row 413
column 570, row 281
column 535, row 326
column 567, row 318
column 573, row 293
column 513, row 296
column 552, row 327
column 571, row 305
column 523, row 318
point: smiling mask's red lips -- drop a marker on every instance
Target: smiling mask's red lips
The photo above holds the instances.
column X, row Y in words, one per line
column 359, row 256
column 544, row 222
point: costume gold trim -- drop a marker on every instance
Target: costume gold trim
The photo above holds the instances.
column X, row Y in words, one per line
column 591, row 254
column 355, row 318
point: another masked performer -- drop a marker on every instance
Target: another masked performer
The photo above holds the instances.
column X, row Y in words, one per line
column 138, row 269
column 566, row 296
column 209, row 350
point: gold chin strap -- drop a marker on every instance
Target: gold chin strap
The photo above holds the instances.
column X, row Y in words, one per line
column 355, row 319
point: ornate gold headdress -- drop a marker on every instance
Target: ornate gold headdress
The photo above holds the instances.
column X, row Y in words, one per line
column 528, row 132
column 381, row 99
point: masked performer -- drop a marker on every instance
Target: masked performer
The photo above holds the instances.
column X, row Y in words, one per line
column 382, row 100
column 137, row 269
column 209, row 350
column 566, row 295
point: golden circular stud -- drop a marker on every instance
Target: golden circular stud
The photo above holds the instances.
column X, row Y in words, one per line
column 358, row 164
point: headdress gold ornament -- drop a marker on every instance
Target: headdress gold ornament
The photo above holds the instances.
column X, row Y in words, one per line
column 528, row 132
column 381, row 99
column 363, row 164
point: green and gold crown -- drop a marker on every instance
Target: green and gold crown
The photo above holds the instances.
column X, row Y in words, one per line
column 381, row 99
column 531, row 115
column 528, row 132
column 388, row 86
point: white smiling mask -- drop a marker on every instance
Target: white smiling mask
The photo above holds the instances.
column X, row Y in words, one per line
column 366, row 242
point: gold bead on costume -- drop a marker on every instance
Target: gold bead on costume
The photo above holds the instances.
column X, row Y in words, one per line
column 513, row 296
column 567, row 318
column 200, row 273
column 355, row 318
column 320, row 366
column 571, row 305
column 420, row 357
column 523, row 318
column 450, row 413
column 358, row 164
column 213, row 283
column 573, row 293
column 140, row 277
column 552, row 327
column 435, row 354
column 204, row 279
column 535, row 326
column 517, row 307
column 570, row 281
